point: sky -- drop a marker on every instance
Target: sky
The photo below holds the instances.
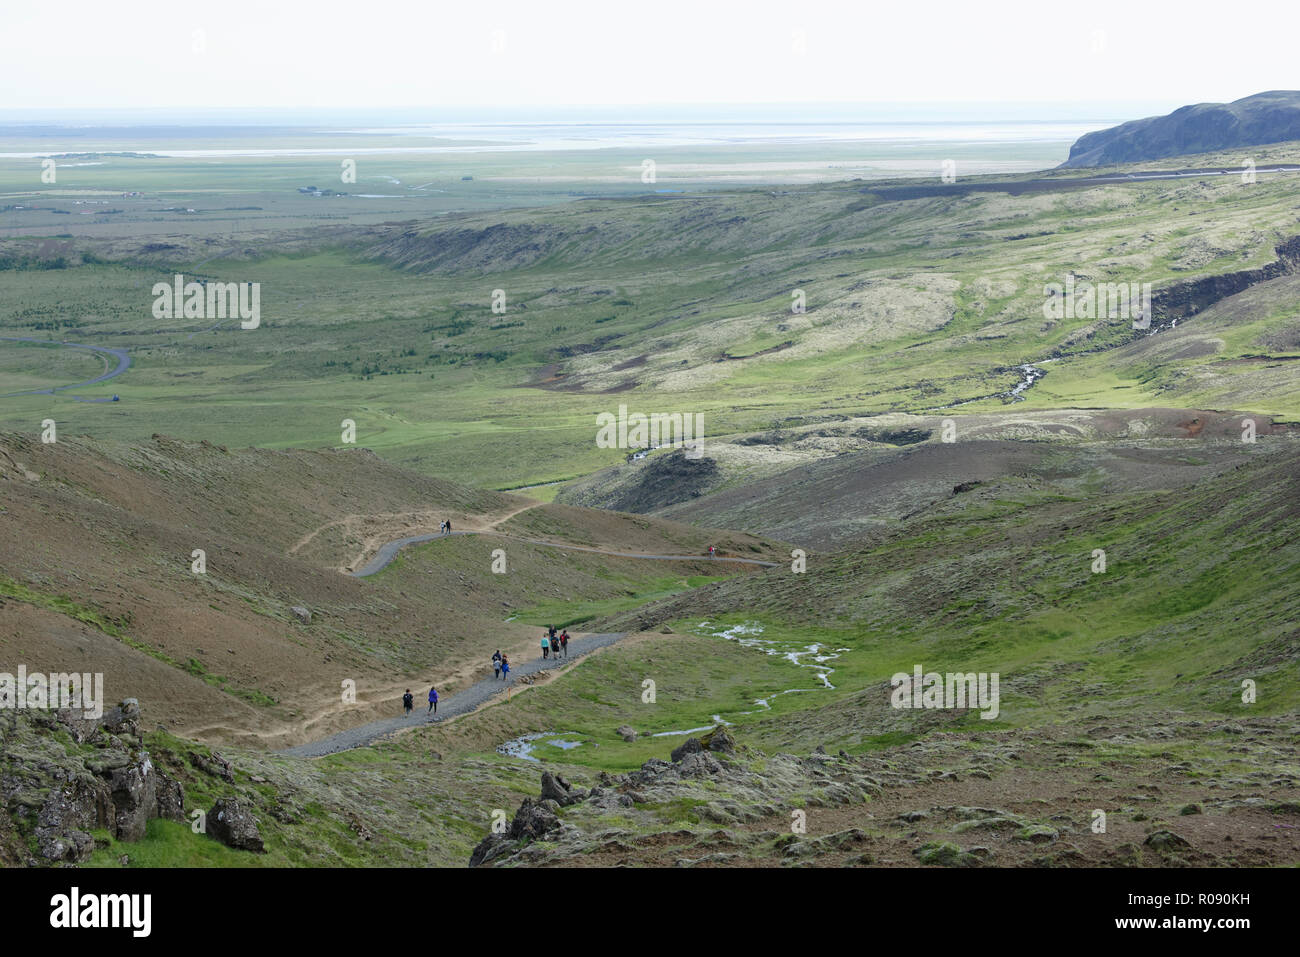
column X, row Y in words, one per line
column 540, row 54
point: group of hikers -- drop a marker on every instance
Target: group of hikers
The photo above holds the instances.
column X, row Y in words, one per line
column 408, row 702
column 500, row 666
column 445, row 528
column 553, row 646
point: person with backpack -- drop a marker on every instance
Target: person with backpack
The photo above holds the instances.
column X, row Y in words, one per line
column 408, row 702
column 433, row 701
column 505, row 668
column 564, row 642
column 496, row 664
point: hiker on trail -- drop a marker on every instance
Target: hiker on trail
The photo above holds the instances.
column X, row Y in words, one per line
column 505, row 669
column 712, row 552
column 408, row 702
column 447, row 526
column 555, row 647
column 433, row 701
column 550, row 630
column 496, row 664
column 564, row 642
column 546, row 646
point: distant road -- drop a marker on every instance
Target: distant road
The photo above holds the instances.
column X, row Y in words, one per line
column 123, row 363
column 388, row 551
column 462, row 702
column 912, row 190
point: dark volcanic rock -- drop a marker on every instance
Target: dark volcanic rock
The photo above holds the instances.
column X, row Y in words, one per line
column 689, row 746
column 171, row 798
column 234, row 826
column 1272, row 117
column 135, row 800
column 699, row 765
column 217, row 766
column 555, row 788
column 532, row 821
column 719, row 739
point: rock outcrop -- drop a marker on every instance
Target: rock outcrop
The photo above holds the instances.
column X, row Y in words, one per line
column 722, row 784
column 233, row 824
column 59, row 794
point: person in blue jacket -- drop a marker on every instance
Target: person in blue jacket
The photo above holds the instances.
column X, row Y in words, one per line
column 433, row 701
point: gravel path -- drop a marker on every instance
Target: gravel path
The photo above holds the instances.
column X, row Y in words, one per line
column 460, row 703
column 476, row 694
column 388, row 551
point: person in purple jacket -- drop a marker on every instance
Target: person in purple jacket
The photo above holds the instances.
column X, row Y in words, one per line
column 433, row 701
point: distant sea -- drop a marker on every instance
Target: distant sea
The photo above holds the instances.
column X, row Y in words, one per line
column 898, row 128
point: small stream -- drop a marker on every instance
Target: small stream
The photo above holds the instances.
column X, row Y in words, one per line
column 523, row 746
column 748, row 635
column 814, row 657
column 1031, row 375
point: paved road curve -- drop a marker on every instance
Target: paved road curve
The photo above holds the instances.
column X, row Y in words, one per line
column 123, row 363
column 449, row 707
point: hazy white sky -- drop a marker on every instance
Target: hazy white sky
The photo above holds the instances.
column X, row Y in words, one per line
column 354, row 55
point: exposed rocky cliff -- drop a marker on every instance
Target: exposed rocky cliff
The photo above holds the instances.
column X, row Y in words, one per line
column 1272, row 117
column 63, row 776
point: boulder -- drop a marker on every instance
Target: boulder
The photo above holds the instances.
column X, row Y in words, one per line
column 699, row 765
column 135, row 799
column 81, row 804
column 231, row 823
column 71, row 847
column 1166, row 841
column 555, row 788
column 81, row 728
column 719, row 739
column 532, row 822
column 689, row 746
column 490, row 848
column 67, row 814
column 625, row 732
column 302, row 614
column 124, row 720
column 217, row 766
column 170, row 798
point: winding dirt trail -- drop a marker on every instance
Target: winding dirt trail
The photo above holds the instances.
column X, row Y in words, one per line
column 389, row 551
column 480, row 692
column 381, row 541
